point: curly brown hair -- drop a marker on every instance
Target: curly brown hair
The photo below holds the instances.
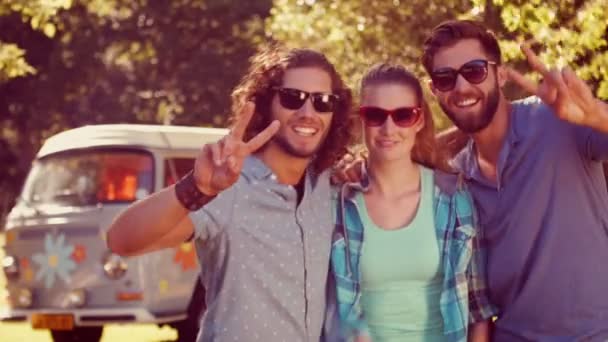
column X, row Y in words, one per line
column 266, row 72
column 425, row 150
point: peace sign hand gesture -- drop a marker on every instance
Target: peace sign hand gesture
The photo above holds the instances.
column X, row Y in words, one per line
column 219, row 165
column 568, row 95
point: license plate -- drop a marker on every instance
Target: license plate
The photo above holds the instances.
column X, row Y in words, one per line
column 55, row 322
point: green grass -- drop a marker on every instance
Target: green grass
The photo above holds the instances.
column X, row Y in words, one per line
column 19, row 332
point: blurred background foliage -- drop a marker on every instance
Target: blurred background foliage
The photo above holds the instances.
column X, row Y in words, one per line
column 359, row 33
column 68, row 63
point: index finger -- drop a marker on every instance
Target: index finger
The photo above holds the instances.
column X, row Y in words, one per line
column 534, row 61
column 263, row 137
column 241, row 123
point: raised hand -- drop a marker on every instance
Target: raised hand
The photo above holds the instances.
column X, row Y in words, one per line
column 568, row 95
column 219, row 165
column 348, row 169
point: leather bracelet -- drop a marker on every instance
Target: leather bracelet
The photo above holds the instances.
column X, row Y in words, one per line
column 188, row 194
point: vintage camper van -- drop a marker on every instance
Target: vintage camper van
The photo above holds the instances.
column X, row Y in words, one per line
column 60, row 274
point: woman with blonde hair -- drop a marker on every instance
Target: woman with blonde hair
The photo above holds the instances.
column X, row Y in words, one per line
column 406, row 255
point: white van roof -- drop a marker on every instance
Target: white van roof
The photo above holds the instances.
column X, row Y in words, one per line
column 154, row 136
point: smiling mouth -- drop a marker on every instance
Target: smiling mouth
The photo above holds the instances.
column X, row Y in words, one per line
column 305, row 131
column 386, row 143
column 466, row 102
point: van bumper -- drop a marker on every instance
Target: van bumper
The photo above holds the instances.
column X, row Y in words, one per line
column 96, row 317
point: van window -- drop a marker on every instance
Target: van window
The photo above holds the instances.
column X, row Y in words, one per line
column 176, row 168
column 88, row 177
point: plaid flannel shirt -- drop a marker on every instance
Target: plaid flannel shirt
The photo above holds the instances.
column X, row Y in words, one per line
column 464, row 298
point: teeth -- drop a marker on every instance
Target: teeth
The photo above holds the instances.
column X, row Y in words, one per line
column 385, row 143
column 466, row 102
column 306, row 131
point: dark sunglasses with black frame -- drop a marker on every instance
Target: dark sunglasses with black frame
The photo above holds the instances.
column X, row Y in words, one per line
column 475, row 72
column 293, row 99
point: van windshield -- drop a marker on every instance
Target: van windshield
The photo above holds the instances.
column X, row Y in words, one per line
column 88, row 177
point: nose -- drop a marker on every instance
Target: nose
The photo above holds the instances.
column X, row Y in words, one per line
column 388, row 126
column 307, row 108
column 461, row 83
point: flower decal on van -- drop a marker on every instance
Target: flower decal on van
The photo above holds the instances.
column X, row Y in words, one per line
column 185, row 255
column 55, row 261
column 163, row 286
column 79, row 254
column 28, row 273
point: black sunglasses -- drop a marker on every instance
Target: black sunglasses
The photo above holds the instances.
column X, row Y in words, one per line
column 402, row 117
column 294, row 99
column 475, row 72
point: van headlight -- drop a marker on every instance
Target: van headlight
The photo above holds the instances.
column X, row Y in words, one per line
column 22, row 298
column 10, row 266
column 76, row 298
column 114, row 266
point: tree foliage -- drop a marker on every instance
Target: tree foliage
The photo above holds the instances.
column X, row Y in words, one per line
column 107, row 61
column 39, row 14
column 67, row 63
column 358, row 33
column 12, row 62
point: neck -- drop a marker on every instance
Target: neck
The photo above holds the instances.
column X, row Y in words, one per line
column 489, row 140
column 289, row 169
column 394, row 178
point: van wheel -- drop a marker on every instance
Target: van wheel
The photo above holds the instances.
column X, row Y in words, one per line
column 187, row 329
column 78, row 334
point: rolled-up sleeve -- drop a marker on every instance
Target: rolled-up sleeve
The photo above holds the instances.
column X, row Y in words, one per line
column 215, row 216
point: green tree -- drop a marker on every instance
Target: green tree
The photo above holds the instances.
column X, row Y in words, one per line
column 570, row 32
column 39, row 15
column 109, row 61
column 357, row 33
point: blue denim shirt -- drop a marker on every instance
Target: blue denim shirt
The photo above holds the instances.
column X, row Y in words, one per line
column 545, row 221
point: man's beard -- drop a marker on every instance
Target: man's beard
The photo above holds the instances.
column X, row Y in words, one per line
column 472, row 124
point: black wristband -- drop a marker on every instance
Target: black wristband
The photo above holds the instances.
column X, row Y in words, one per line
column 188, row 194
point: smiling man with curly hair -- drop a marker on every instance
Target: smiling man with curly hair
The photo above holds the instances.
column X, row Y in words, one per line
column 257, row 203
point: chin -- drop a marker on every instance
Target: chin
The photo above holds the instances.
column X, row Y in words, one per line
column 468, row 122
column 388, row 156
column 301, row 151
column 295, row 149
column 472, row 125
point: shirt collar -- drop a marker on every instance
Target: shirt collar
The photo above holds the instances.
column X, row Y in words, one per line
column 466, row 162
column 255, row 168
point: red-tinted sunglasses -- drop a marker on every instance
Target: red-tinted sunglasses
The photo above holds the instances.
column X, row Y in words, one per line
column 402, row 117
